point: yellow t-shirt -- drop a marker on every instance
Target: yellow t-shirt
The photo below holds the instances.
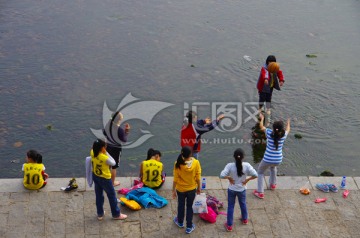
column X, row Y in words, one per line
column 272, row 81
column 99, row 166
column 151, row 173
column 33, row 178
column 187, row 176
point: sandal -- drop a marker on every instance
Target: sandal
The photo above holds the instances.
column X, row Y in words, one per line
column 332, row 188
column 121, row 217
column 322, row 187
column 100, row 218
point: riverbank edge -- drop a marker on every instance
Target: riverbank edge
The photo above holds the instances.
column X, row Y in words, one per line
column 212, row 182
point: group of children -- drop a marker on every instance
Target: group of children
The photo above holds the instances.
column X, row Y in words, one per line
column 187, row 174
column 105, row 159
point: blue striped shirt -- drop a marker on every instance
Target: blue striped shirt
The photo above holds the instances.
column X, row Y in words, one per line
column 272, row 155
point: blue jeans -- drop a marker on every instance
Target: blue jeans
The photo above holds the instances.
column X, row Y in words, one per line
column 101, row 185
column 189, row 196
column 195, row 155
column 231, row 204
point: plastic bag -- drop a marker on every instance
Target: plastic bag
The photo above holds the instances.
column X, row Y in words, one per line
column 199, row 205
column 210, row 216
column 305, row 189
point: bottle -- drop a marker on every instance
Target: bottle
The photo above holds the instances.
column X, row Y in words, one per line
column 203, row 183
column 343, row 182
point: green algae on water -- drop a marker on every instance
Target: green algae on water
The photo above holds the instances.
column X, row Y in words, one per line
column 298, row 136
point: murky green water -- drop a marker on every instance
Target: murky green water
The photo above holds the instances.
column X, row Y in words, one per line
column 61, row 60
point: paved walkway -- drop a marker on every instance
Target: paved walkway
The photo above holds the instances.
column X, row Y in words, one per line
column 283, row 213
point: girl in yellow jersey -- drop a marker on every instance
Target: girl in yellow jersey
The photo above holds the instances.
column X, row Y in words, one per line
column 187, row 173
column 34, row 171
column 151, row 170
column 101, row 164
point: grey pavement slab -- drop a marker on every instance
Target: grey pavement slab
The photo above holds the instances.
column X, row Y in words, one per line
column 284, row 212
column 357, row 181
column 289, row 182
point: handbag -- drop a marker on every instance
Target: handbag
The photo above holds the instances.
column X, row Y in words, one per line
column 199, row 205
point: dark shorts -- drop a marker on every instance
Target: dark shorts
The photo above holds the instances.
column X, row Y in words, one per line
column 115, row 152
column 265, row 97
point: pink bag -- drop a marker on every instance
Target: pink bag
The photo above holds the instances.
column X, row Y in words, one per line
column 210, row 216
column 125, row 191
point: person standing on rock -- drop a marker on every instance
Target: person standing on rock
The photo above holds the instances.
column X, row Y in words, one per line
column 270, row 77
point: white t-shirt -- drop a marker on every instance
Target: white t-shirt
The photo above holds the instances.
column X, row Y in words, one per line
column 231, row 170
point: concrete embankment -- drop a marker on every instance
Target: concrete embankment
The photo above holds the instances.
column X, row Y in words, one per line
column 284, row 212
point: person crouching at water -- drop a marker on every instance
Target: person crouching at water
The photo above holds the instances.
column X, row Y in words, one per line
column 273, row 156
column 192, row 130
column 101, row 164
column 151, row 170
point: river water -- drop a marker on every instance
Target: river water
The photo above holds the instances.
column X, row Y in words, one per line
column 60, row 61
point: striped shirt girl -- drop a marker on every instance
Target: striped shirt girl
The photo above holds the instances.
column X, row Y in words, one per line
column 272, row 155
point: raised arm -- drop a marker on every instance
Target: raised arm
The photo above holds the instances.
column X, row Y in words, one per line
column 206, row 125
column 261, row 123
column 288, row 126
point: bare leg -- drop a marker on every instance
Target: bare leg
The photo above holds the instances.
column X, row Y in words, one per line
column 268, row 117
column 113, row 176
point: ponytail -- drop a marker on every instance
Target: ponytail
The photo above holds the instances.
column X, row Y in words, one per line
column 190, row 116
column 278, row 132
column 150, row 153
column 185, row 153
column 179, row 161
column 117, row 113
column 97, row 146
column 239, row 156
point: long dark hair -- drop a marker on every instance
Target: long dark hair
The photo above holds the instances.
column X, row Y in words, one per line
column 35, row 156
column 278, row 132
column 97, row 146
column 151, row 152
column 190, row 116
column 185, row 153
column 239, row 156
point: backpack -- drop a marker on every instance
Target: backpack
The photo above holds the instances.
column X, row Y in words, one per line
column 210, row 216
column 214, row 203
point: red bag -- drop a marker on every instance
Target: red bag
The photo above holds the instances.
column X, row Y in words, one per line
column 210, row 216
